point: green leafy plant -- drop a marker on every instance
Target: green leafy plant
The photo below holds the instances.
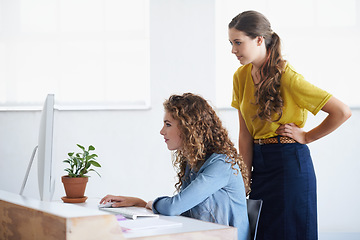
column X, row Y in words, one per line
column 81, row 163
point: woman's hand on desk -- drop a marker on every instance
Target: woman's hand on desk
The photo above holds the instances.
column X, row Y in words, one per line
column 149, row 205
column 122, row 201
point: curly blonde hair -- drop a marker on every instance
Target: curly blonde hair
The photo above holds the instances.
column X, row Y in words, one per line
column 202, row 134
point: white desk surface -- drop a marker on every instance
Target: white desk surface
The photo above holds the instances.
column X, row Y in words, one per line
column 57, row 208
column 188, row 224
column 90, row 208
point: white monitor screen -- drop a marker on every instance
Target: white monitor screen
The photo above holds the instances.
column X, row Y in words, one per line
column 45, row 144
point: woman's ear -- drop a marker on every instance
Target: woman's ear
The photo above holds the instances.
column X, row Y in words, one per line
column 260, row 40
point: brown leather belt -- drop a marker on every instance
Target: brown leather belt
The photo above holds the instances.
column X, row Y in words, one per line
column 274, row 140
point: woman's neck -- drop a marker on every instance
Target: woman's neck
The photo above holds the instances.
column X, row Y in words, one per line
column 257, row 65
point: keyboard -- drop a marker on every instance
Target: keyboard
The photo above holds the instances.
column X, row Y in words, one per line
column 131, row 212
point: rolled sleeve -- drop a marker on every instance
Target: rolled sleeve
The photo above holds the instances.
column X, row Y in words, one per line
column 209, row 180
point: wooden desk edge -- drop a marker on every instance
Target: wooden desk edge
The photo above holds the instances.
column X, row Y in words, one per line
column 21, row 222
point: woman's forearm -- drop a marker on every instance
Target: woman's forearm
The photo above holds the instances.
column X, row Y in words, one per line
column 246, row 151
column 338, row 114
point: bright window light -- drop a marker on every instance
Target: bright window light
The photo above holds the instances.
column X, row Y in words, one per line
column 92, row 54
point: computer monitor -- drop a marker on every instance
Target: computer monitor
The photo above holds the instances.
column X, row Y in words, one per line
column 44, row 150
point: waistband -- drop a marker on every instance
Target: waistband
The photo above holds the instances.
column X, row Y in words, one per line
column 274, row 140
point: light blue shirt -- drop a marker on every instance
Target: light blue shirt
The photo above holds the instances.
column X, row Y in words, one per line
column 214, row 194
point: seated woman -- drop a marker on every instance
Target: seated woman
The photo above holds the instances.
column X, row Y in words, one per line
column 210, row 184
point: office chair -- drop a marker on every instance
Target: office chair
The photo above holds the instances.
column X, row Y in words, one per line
column 254, row 209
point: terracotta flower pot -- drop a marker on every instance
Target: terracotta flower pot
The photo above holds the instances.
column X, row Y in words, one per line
column 74, row 187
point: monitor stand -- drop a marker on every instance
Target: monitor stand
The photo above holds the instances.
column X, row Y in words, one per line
column 28, row 170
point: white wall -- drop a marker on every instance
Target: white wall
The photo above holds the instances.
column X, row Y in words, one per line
column 134, row 156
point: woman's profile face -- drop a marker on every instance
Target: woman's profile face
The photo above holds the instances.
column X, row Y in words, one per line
column 245, row 49
column 171, row 132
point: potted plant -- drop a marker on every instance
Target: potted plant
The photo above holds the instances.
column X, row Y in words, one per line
column 75, row 181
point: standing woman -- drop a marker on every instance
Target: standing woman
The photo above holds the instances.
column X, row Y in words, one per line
column 272, row 101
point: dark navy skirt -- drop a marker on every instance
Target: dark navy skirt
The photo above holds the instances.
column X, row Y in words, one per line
column 283, row 177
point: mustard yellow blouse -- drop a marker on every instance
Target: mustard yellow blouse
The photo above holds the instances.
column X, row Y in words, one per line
column 299, row 96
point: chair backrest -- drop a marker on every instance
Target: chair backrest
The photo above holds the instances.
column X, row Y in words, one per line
column 254, row 209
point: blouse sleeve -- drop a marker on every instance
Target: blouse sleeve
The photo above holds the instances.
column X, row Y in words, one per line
column 235, row 94
column 307, row 95
column 214, row 177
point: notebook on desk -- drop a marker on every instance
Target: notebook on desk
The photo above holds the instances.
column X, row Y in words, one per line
column 131, row 212
column 147, row 223
column 144, row 219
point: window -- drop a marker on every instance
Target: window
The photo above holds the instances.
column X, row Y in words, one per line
column 92, row 54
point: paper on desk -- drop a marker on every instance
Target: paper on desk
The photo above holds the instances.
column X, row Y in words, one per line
column 148, row 223
column 120, row 217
